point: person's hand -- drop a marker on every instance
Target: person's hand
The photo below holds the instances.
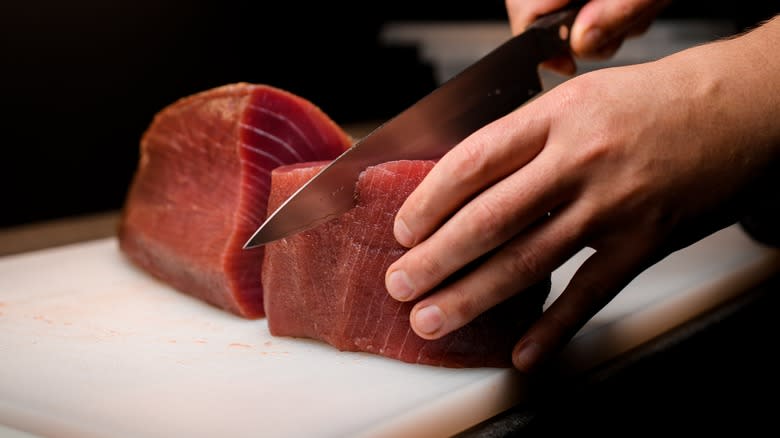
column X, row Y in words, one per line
column 599, row 29
column 634, row 162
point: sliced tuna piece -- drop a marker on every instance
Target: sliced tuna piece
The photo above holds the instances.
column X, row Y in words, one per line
column 327, row 283
column 202, row 183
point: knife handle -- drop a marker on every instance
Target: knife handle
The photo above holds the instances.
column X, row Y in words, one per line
column 562, row 18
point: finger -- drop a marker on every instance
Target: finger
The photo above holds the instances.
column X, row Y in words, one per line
column 487, row 155
column 487, row 221
column 595, row 283
column 607, row 50
column 523, row 12
column 603, row 21
column 563, row 64
column 525, row 261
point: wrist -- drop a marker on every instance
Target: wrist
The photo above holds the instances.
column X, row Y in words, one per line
column 732, row 91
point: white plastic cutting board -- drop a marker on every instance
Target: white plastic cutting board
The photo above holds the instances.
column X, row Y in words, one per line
column 92, row 347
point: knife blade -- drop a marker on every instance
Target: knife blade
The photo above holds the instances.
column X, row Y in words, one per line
column 496, row 84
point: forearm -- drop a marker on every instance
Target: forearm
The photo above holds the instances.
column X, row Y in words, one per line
column 759, row 83
column 762, row 220
column 737, row 83
column 750, row 64
column 731, row 92
column 754, row 75
column 633, row 162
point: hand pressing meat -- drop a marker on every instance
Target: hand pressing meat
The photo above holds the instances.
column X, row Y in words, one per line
column 328, row 282
column 214, row 164
column 634, row 162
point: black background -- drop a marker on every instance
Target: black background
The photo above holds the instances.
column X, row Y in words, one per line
column 82, row 79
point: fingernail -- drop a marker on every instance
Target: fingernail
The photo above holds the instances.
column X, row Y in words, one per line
column 527, row 355
column 399, row 286
column 402, row 233
column 593, row 39
column 429, row 319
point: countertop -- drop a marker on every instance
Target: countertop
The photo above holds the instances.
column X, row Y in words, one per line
column 706, row 375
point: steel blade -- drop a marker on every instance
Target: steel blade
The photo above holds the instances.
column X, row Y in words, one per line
column 492, row 87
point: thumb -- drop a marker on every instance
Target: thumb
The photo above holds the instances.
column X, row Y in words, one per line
column 523, row 12
column 603, row 22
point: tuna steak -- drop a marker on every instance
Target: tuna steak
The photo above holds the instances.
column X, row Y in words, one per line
column 327, row 283
column 202, row 184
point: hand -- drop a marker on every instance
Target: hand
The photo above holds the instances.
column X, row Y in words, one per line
column 599, row 30
column 634, row 162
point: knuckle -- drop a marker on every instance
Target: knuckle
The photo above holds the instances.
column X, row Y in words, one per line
column 596, row 151
column 471, row 162
column 589, row 293
column 429, row 266
column 591, row 220
column 465, row 305
column 487, row 220
column 465, row 308
column 524, row 261
column 561, row 326
column 594, row 293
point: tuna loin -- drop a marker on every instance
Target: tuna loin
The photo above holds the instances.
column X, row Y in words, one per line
column 202, row 184
column 327, row 283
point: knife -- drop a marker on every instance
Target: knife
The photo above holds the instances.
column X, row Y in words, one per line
column 492, row 87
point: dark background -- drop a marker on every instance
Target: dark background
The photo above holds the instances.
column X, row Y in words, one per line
column 82, row 79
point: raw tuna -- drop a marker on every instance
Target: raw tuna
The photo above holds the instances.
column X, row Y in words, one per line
column 327, row 283
column 202, row 184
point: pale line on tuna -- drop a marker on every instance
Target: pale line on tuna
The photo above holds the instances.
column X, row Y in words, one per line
column 351, row 262
column 387, row 255
column 368, row 247
column 171, row 139
column 384, row 300
column 310, row 278
column 447, row 350
column 285, row 120
column 392, row 326
column 420, row 351
column 270, row 136
column 248, row 218
column 261, row 152
column 166, row 139
column 352, row 259
column 251, row 186
column 255, row 182
column 384, row 263
column 356, row 258
column 264, row 181
column 253, row 214
column 403, row 344
column 386, row 297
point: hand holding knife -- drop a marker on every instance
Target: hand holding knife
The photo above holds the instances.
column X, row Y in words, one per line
column 495, row 85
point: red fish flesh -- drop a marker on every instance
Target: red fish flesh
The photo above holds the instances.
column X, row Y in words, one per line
column 327, row 283
column 202, row 184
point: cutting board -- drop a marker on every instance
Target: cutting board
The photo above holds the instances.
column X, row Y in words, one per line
column 93, row 347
